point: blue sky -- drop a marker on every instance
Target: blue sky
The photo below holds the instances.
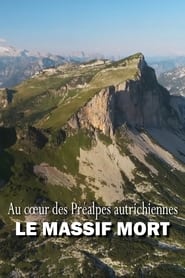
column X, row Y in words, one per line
column 117, row 27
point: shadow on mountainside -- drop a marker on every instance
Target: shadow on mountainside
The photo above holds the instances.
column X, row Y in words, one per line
column 7, row 139
column 10, row 94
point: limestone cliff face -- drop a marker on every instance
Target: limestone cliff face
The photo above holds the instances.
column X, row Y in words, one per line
column 178, row 103
column 98, row 113
column 140, row 102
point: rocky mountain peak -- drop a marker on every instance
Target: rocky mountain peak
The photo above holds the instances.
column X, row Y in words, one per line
column 139, row 101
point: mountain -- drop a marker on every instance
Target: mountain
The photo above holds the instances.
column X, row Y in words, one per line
column 164, row 64
column 16, row 67
column 174, row 81
column 19, row 65
column 6, row 50
column 103, row 132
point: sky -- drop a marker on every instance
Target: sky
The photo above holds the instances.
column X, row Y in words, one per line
column 109, row 27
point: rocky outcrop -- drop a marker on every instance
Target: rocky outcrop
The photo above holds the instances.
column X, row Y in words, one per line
column 98, row 113
column 6, row 97
column 140, row 102
column 143, row 102
column 3, row 98
column 52, row 175
column 36, row 137
column 106, row 271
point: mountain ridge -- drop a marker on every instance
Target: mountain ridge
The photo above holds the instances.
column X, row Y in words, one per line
column 129, row 87
column 139, row 101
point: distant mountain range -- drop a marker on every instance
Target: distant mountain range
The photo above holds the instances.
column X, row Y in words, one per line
column 163, row 64
column 174, row 81
column 18, row 65
column 15, row 69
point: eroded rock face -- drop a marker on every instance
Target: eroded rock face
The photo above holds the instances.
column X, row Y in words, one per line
column 52, row 175
column 97, row 113
column 143, row 102
column 140, row 102
column 178, row 103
